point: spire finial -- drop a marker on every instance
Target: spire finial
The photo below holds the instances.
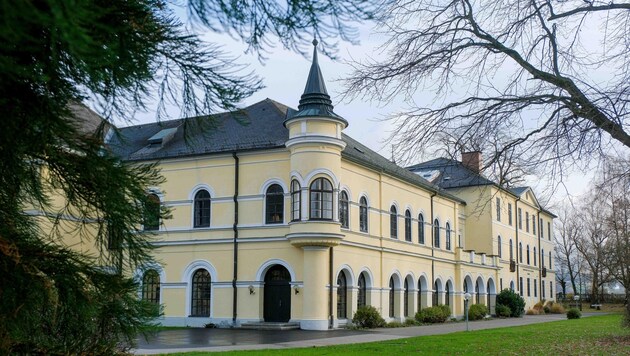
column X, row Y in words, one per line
column 315, row 43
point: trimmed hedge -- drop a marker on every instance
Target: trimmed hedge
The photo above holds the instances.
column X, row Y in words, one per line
column 477, row 312
column 515, row 302
column 368, row 317
column 437, row 314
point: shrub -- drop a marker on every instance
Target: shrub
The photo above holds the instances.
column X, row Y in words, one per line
column 437, row 314
column 411, row 322
column 549, row 304
column 546, row 309
column 477, row 312
column 557, row 308
column 531, row 312
column 539, row 308
column 573, row 313
column 368, row 317
column 502, row 311
column 394, row 324
column 515, row 302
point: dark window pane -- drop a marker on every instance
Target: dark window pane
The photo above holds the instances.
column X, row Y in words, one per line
column 202, row 209
column 274, row 205
column 200, row 293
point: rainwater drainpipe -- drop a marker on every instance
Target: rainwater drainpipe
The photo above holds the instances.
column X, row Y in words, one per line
column 432, row 244
column 235, row 230
column 330, row 290
column 517, row 255
column 539, row 266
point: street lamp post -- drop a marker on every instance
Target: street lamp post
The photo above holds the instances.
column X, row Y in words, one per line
column 466, row 299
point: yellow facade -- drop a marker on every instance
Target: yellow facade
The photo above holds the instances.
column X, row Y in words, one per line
column 281, row 243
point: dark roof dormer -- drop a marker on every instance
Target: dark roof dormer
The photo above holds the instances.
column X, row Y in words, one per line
column 315, row 102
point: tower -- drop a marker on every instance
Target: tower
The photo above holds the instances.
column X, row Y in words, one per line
column 315, row 146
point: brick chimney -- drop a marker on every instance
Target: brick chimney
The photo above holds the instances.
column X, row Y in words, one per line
column 472, row 160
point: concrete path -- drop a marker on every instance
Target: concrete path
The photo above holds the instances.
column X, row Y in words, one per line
column 185, row 340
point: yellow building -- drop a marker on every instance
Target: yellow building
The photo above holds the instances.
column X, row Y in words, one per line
column 280, row 217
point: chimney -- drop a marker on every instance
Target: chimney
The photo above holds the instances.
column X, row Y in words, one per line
column 472, row 160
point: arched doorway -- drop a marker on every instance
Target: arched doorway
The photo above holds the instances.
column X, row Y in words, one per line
column 277, row 296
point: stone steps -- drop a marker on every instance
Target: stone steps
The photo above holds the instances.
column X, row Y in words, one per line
column 269, row 326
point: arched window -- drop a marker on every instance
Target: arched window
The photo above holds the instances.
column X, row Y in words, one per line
column 362, row 292
column 152, row 213
column 527, row 254
column 321, row 200
column 534, row 256
column 465, row 287
column 421, row 229
column 499, row 246
column 512, row 286
column 448, row 236
column 342, row 296
column 435, row 293
column 295, row 201
column 274, row 205
column 391, row 297
column 200, row 293
column 393, row 222
column 511, row 251
column 363, row 214
column 520, row 252
column 406, row 299
column 202, row 209
column 344, row 209
column 447, row 294
column 407, row 225
column 151, row 286
column 550, row 261
column 542, row 256
column 420, row 291
column 436, row 233
column 477, row 292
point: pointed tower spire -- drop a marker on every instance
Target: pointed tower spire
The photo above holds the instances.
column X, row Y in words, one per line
column 315, row 101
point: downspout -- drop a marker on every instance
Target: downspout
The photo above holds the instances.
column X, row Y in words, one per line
column 432, row 245
column 518, row 251
column 235, row 231
column 330, row 290
column 380, row 224
column 539, row 255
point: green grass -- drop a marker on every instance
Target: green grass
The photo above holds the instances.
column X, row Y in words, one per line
column 597, row 335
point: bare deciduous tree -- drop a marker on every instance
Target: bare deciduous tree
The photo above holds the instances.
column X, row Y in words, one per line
column 551, row 75
column 567, row 259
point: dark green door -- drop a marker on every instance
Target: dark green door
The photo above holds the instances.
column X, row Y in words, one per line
column 277, row 296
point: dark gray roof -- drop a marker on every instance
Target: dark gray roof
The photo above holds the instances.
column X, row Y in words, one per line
column 315, row 101
column 361, row 154
column 449, row 173
column 256, row 127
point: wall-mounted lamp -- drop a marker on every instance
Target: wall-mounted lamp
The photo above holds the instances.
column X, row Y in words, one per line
column 297, row 289
column 251, row 290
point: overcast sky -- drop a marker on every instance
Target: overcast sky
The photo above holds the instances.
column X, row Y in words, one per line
column 284, row 75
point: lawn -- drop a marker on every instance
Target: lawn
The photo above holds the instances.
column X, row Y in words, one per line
column 597, row 335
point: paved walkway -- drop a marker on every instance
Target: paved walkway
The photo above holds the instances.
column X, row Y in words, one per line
column 198, row 339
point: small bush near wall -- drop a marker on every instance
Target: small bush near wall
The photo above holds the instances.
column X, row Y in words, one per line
column 437, row 314
column 539, row 308
column 368, row 317
column 477, row 312
column 502, row 311
column 557, row 308
column 515, row 302
column 574, row 313
column 531, row 312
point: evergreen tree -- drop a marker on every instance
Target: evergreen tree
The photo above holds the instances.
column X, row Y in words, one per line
column 70, row 212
